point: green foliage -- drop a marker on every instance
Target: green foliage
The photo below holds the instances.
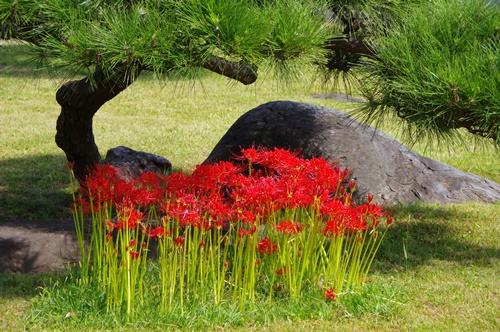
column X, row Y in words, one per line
column 166, row 36
column 438, row 71
column 435, row 64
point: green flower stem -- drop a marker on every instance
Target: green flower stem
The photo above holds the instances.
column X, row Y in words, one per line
column 335, row 263
column 181, row 251
column 249, row 272
column 370, row 255
column 237, row 267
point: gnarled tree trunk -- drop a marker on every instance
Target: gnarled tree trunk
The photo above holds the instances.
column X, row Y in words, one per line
column 80, row 100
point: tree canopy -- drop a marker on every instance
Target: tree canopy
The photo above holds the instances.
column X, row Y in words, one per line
column 433, row 63
column 437, row 68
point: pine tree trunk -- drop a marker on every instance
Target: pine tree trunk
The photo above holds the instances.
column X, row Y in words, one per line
column 80, row 100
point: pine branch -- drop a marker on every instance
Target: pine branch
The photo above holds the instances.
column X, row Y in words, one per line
column 350, row 45
column 246, row 74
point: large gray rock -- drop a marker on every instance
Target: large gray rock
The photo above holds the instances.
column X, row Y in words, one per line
column 380, row 165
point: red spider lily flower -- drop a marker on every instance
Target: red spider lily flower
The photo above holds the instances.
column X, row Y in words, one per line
column 144, row 245
column 186, row 210
column 213, row 178
column 134, row 254
column 333, row 227
column 130, row 218
column 329, row 294
column 132, row 243
column 179, row 241
column 109, row 235
column 202, row 244
column 389, row 220
column 280, row 160
column 333, row 208
column 226, row 264
column 99, row 184
column 81, row 204
column 266, row 246
column 251, row 154
column 244, row 215
column 242, row 231
column 281, row 271
column 158, row 232
column 71, row 165
column 123, row 193
column 152, row 187
column 149, row 180
column 371, row 214
column 176, row 185
column 369, row 199
column 110, row 225
column 326, row 177
column 371, row 210
column 216, row 210
column 288, row 227
column 352, row 185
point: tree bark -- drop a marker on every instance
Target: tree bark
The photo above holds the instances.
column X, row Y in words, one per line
column 246, row 74
column 80, row 100
column 351, row 45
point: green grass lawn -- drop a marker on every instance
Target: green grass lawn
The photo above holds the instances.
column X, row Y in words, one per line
column 438, row 268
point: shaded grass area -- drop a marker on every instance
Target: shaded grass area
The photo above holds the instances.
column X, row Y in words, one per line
column 34, row 188
column 464, row 234
column 16, row 294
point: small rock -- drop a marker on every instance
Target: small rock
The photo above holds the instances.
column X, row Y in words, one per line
column 131, row 164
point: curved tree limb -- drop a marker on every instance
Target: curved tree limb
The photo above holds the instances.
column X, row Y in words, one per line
column 246, row 74
column 350, row 45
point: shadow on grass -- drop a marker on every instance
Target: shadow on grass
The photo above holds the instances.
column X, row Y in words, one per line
column 34, row 188
column 436, row 232
column 19, row 285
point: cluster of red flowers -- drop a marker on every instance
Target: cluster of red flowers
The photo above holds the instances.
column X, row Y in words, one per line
column 262, row 183
column 288, row 227
column 330, row 294
column 266, row 246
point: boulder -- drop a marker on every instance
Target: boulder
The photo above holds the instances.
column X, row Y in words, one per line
column 380, row 165
column 131, row 164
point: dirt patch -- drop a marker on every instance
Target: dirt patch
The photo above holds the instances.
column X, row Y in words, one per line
column 37, row 246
